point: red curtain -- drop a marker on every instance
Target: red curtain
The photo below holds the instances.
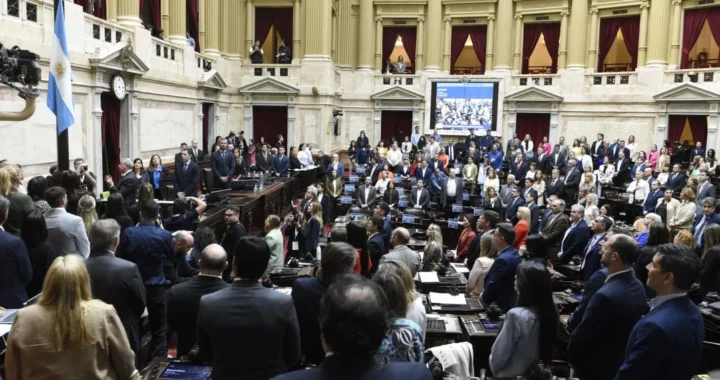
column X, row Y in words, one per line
column 694, row 22
column 395, row 123
column 192, row 21
column 457, row 43
column 206, row 126
column 537, row 125
column 698, row 126
column 263, row 22
column 631, row 34
column 676, row 123
column 154, row 7
column 409, row 39
column 281, row 18
column 110, row 106
column 390, row 36
column 478, row 36
column 99, row 10
column 551, row 32
column 531, row 36
column 268, row 122
column 713, row 18
column 609, row 28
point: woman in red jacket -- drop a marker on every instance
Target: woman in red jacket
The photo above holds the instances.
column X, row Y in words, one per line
column 466, row 236
column 522, row 227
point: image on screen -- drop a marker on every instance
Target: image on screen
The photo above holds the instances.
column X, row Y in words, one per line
column 462, row 106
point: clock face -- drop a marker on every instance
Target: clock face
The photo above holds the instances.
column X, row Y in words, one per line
column 118, row 87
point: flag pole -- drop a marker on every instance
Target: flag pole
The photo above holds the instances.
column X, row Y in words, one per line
column 63, row 150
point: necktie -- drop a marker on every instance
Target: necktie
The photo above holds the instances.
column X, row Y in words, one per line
column 699, row 230
column 186, row 167
column 554, row 181
column 518, row 166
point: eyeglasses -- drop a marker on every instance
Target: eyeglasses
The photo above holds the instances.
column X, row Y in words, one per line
column 229, row 215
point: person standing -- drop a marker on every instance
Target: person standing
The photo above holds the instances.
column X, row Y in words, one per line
column 128, row 185
column 667, row 343
column 187, row 176
column 66, row 232
column 284, row 54
column 223, row 166
column 16, row 271
column 499, row 283
column 235, row 231
column 256, row 53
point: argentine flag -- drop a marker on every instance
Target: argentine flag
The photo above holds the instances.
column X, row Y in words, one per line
column 60, row 99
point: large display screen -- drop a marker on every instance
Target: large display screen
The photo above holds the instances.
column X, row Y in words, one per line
column 458, row 106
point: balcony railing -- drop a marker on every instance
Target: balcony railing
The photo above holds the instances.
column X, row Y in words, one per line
column 704, row 64
column 617, row 67
column 540, row 80
column 611, row 79
column 167, row 56
column 709, row 75
column 272, row 70
column 101, row 34
column 467, row 70
column 397, row 80
column 540, row 70
column 205, row 63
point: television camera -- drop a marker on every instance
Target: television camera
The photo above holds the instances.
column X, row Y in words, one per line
column 20, row 70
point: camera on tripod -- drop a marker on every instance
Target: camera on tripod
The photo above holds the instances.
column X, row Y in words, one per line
column 19, row 69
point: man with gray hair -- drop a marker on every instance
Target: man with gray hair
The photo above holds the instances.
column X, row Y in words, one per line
column 572, row 182
column 128, row 185
column 184, row 299
column 179, row 270
column 16, row 271
column 399, row 239
column 116, row 281
column 576, row 236
column 703, row 221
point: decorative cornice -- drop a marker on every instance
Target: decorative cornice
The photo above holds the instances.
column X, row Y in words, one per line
column 491, row 17
column 421, row 19
column 518, row 16
column 447, row 19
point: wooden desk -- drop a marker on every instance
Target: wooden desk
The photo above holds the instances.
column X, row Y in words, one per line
column 269, row 201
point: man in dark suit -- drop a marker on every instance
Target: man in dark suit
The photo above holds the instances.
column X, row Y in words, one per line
column 295, row 163
column 651, row 200
column 419, row 197
column 622, row 148
column 16, row 270
column 282, row 162
column 338, row 259
column 557, row 159
column 353, row 318
column 555, row 227
column 198, row 156
column 576, row 236
column 592, row 253
column 128, row 184
column 246, row 328
column 597, row 345
column 703, row 221
column 404, row 169
column 555, row 185
column 116, row 281
column 337, row 166
column 184, row 299
column 613, row 150
column 223, row 166
column 366, row 194
column 598, row 149
column 376, row 241
column 667, row 343
column 423, row 173
column 500, row 280
column 542, row 161
column 264, row 160
column 572, row 182
column 622, row 169
column 530, row 202
column 373, row 170
column 324, row 201
column 178, row 155
column 515, row 202
column 596, row 281
column 697, row 151
column 452, row 189
column 519, row 169
column 452, row 152
column 187, row 176
column 235, row 231
column 472, row 138
column 676, row 181
column 705, row 189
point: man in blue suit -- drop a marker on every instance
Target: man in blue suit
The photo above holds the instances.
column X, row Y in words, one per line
column 667, row 343
column 703, row 221
column 187, row 176
column 16, row 271
column 423, row 173
column 591, row 258
column 597, row 345
column 515, row 202
column 500, row 280
column 282, row 163
column 576, row 236
column 337, row 166
column 651, row 199
column 223, row 166
column 519, row 168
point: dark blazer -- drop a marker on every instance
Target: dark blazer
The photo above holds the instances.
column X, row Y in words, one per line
column 542, row 162
column 596, row 281
column 574, row 242
column 341, row 367
column 248, row 329
column 597, row 345
column 714, row 219
column 458, row 191
column 295, row 163
column 558, row 162
column 710, row 276
column 500, row 280
column 432, row 165
column 697, row 152
column 340, row 169
column 403, row 171
column 325, row 203
column 117, row 282
column 306, row 295
column 376, row 249
column 183, row 305
column 651, row 201
column 223, row 167
column 424, row 197
column 128, row 187
column 187, row 181
column 512, row 208
column 534, row 218
column 312, row 232
column 594, row 147
column 374, row 172
column 553, row 233
column 264, row 164
column 558, row 189
column 676, row 183
column 360, row 194
column 41, row 257
column 230, row 239
column 623, row 174
column 15, row 271
column 572, row 181
column 591, row 257
column 426, row 177
column 666, row 344
column 200, row 156
column 282, row 164
column 521, row 172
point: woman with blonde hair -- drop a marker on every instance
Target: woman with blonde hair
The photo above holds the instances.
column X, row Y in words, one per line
column 432, row 254
column 492, row 181
column 86, row 211
column 685, row 213
column 685, row 237
column 488, row 253
column 522, row 227
column 591, row 208
column 68, row 335
column 539, row 187
column 416, row 310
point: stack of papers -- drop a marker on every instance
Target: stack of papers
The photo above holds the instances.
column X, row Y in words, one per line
column 460, row 267
column 447, row 299
column 427, row 277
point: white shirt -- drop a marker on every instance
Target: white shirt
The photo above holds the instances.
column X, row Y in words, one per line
column 419, row 193
column 394, row 157
column 640, row 188
column 659, row 300
column 451, row 187
column 367, row 193
column 252, row 48
column 334, row 187
column 381, row 185
column 303, row 158
column 434, row 149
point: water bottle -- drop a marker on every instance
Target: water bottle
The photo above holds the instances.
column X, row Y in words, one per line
column 256, row 188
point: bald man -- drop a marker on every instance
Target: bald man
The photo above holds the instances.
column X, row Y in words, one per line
column 178, row 270
column 185, row 298
column 400, row 252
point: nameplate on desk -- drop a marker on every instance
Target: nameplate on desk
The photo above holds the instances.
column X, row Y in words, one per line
column 360, row 170
column 407, row 218
column 477, row 211
column 466, row 196
column 403, row 203
column 397, row 179
column 400, row 190
column 413, row 180
column 349, row 188
column 457, row 207
column 346, row 200
column 405, row 156
column 356, row 215
column 453, row 223
column 354, row 179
